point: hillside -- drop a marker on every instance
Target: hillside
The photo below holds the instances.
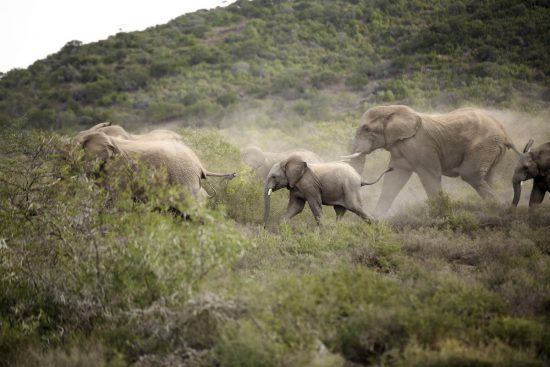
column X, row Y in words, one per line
column 317, row 59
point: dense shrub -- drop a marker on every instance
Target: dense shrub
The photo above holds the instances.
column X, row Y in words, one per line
column 89, row 274
column 76, row 256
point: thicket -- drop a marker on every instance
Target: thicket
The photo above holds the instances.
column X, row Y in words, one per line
column 90, row 276
column 199, row 66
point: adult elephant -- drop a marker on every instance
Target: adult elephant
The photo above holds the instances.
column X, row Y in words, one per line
column 466, row 142
column 182, row 165
column 261, row 161
column 118, row 131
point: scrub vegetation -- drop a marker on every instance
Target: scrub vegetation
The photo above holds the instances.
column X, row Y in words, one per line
column 90, row 276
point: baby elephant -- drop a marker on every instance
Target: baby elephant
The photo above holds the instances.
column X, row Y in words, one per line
column 533, row 164
column 335, row 183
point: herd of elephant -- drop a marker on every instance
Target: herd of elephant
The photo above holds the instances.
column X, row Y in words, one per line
column 466, row 142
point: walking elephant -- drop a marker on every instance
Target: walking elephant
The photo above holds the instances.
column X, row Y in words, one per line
column 533, row 164
column 466, row 142
column 183, row 167
column 335, row 183
column 118, row 131
column 261, row 161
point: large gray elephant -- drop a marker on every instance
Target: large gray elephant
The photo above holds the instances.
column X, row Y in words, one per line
column 334, row 183
column 118, row 131
column 466, row 142
column 533, row 164
column 181, row 163
column 261, row 161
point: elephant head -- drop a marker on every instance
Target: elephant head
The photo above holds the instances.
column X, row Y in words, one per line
column 382, row 127
column 99, row 145
column 526, row 169
column 105, row 127
column 283, row 174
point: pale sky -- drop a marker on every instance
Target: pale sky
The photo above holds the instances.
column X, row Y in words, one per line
column 33, row 29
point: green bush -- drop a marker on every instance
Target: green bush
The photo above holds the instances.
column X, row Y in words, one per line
column 77, row 255
column 521, row 333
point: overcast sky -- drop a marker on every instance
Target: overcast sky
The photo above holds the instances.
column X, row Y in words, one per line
column 33, row 29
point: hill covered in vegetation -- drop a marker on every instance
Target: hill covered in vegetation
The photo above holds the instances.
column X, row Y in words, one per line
column 310, row 60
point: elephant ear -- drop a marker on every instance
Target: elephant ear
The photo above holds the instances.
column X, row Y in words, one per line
column 294, row 170
column 113, row 149
column 528, row 146
column 100, row 126
column 400, row 126
column 100, row 145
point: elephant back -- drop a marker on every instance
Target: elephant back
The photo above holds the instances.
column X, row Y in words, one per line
column 308, row 156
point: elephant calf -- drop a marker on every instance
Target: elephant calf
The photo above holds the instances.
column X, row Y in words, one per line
column 335, row 183
column 533, row 164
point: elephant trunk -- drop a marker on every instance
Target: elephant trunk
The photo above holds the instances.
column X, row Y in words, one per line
column 357, row 158
column 267, row 201
column 517, row 191
column 358, row 163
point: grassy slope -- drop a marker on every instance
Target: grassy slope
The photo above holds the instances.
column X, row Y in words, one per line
column 89, row 277
column 320, row 58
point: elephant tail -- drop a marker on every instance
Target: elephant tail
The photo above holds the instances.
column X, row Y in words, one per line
column 511, row 145
column 364, row 183
column 227, row 176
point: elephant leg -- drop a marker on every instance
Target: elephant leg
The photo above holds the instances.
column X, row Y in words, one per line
column 393, row 183
column 431, row 182
column 478, row 168
column 356, row 206
column 295, row 206
column 482, row 187
column 537, row 195
column 340, row 211
column 360, row 212
column 316, row 209
column 490, row 176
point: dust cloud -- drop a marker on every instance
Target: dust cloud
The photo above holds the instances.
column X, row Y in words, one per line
column 333, row 138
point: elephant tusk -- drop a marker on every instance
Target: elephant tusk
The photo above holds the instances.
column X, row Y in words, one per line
column 269, row 192
column 351, row 156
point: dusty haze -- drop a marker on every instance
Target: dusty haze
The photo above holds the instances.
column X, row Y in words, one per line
column 333, row 138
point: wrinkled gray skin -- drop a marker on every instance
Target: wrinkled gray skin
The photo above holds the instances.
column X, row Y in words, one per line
column 466, row 142
column 335, row 183
column 118, row 131
column 261, row 161
column 533, row 164
column 181, row 163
